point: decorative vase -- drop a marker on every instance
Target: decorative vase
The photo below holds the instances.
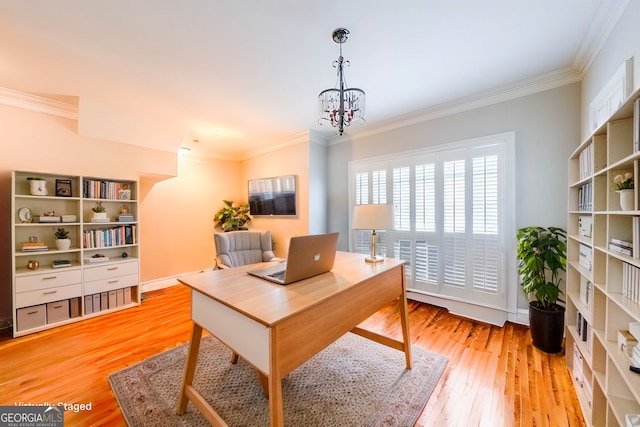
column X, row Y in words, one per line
column 626, row 200
column 63, row 244
column 33, row 265
column 38, row 187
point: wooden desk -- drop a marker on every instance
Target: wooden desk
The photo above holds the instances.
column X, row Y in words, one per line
column 277, row 328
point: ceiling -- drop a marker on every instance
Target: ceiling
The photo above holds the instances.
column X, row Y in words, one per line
column 242, row 76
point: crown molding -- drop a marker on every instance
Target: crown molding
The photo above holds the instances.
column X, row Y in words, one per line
column 531, row 86
column 604, row 22
column 38, row 104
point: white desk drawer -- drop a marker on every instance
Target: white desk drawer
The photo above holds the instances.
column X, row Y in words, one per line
column 42, row 296
column 105, row 285
column 48, row 280
column 111, row 270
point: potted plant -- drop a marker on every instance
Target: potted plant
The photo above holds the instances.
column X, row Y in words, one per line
column 231, row 217
column 623, row 185
column 542, row 253
column 99, row 212
column 63, row 242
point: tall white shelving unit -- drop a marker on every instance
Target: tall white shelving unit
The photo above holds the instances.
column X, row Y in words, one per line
column 603, row 295
column 102, row 274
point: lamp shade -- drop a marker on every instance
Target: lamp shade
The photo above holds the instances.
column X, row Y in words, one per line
column 373, row 217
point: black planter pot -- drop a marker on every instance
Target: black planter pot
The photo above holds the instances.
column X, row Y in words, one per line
column 547, row 327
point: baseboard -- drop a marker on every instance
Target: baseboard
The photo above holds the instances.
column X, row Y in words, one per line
column 472, row 311
column 165, row 282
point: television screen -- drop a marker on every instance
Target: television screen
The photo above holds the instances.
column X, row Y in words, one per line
column 273, row 196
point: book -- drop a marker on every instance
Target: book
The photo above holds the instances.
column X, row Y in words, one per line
column 94, row 260
column 48, row 219
column 35, row 249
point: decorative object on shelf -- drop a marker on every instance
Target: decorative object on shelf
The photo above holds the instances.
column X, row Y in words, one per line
column 124, row 193
column 124, row 210
column 231, row 218
column 63, row 242
column 32, row 264
column 37, row 186
column 25, row 215
column 341, row 105
column 541, row 253
column 373, row 217
column 33, row 239
column 63, row 187
column 125, row 255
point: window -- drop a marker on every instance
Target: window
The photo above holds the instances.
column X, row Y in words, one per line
column 451, row 215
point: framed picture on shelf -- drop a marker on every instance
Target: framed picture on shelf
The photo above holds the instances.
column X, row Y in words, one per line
column 63, row 187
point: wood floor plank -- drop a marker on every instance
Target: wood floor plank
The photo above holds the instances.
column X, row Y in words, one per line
column 494, row 376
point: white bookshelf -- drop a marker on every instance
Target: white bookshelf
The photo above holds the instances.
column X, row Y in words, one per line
column 603, row 289
column 99, row 278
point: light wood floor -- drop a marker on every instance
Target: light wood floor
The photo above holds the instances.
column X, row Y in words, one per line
column 494, row 377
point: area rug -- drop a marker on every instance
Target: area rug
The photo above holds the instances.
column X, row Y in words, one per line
column 353, row 382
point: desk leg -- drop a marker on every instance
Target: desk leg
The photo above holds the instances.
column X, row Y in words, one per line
column 275, row 396
column 190, row 367
column 404, row 320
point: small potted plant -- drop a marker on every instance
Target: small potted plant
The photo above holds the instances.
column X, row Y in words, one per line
column 231, row 218
column 623, row 185
column 63, row 242
column 542, row 253
column 99, row 212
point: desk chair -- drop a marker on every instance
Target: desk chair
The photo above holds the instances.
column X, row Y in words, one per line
column 237, row 248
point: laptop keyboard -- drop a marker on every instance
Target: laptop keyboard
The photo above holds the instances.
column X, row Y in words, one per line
column 279, row 275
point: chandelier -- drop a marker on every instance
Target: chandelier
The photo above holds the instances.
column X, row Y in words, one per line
column 341, row 105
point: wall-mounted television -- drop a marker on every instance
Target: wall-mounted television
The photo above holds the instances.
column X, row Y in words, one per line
column 273, row 196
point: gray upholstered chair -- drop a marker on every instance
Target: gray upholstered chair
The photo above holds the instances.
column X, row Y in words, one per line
column 236, row 248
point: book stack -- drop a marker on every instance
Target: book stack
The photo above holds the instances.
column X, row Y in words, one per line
column 624, row 247
column 34, row 247
column 59, row 263
column 125, row 218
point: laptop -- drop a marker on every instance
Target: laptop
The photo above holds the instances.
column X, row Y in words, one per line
column 308, row 256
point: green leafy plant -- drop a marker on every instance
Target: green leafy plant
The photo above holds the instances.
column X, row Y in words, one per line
column 98, row 208
column 542, row 253
column 232, row 217
column 623, row 182
column 61, row 233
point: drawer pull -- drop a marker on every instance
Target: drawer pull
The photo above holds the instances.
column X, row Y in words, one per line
column 32, row 312
column 57, row 306
column 112, row 268
column 50, row 293
column 112, row 281
column 50, row 278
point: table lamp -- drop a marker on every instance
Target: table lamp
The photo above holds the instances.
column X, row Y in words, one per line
column 373, row 217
